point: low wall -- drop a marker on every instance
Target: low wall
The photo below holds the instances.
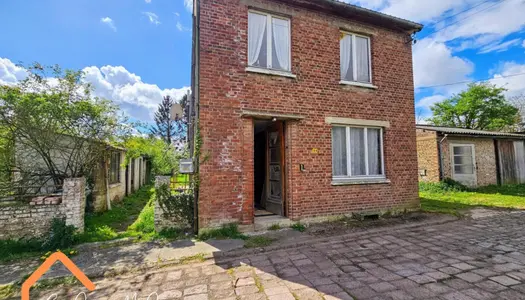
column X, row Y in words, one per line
column 34, row 219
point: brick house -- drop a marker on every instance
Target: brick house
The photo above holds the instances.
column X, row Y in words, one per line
column 304, row 108
column 472, row 157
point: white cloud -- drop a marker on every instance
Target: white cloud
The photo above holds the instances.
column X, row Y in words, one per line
column 108, row 21
column 435, row 64
column 189, row 5
column 137, row 98
column 10, row 73
column 515, row 85
column 152, row 17
column 427, row 102
column 147, row 1
column 500, row 47
column 523, row 45
column 181, row 27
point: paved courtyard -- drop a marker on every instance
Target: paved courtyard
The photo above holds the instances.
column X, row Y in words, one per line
column 466, row 259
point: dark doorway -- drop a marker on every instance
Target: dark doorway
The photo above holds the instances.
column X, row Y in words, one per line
column 269, row 189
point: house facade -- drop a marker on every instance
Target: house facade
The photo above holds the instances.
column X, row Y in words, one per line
column 472, row 157
column 301, row 109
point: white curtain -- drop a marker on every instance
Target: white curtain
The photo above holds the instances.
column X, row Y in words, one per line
column 374, row 151
column 346, row 58
column 256, row 28
column 357, row 151
column 281, row 43
column 362, row 60
column 339, row 151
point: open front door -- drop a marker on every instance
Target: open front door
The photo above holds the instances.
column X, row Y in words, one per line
column 275, row 179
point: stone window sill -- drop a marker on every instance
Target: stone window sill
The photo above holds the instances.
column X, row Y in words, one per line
column 357, row 181
column 270, row 72
column 358, row 84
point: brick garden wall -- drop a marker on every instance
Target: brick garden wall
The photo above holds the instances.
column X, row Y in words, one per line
column 226, row 190
column 427, row 155
column 23, row 220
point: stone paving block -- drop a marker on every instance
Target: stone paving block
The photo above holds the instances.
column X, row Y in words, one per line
column 456, row 296
column 470, row 277
column 422, row 279
column 509, row 295
column 259, row 296
column 421, row 293
column 245, row 290
column 338, row 296
column 450, row 270
column 382, row 287
column 504, row 280
column 329, row 289
column 491, row 286
column 463, row 266
column 287, row 296
column 363, row 292
column 457, row 284
column 308, row 294
column 172, row 294
column 478, row 294
column 438, row 287
column 437, row 275
column 245, row 281
column 197, row 289
column 197, row 297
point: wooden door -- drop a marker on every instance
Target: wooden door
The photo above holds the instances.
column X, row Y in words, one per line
column 507, row 162
column 275, row 180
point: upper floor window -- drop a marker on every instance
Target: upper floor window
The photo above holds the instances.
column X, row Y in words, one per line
column 355, row 58
column 268, row 41
column 357, row 152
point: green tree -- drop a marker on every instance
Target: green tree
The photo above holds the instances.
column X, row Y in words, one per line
column 53, row 126
column 164, row 123
column 164, row 157
column 482, row 106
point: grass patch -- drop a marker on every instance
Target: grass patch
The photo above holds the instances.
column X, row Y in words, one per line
column 451, row 201
column 8, row 291
column 257, row 241
column 228, row 231
column 274, row 227
column 298, row 226
column 132, row 217
column 20, row 249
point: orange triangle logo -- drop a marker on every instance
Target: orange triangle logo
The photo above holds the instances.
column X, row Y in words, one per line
column 70, row 265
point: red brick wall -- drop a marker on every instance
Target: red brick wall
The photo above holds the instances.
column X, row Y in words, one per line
column 226, row 190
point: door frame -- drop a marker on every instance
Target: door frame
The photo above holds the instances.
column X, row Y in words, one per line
column 282, row 149
column 474, row 164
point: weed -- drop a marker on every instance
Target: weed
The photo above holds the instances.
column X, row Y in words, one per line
column 19, row 249
column 192, row 259
column 258, row 241
column 7, row 291
column 274, row 227
column 298, row 226
column 60, row 236
column 172, row 233
column 447, row 185
column 228, row 231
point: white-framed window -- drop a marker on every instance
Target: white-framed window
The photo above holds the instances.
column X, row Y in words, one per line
column 357, row 152
column 355, row 58
column 268, row 41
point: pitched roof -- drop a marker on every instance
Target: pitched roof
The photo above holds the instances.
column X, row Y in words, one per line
column 360, row 13
column 464, row 131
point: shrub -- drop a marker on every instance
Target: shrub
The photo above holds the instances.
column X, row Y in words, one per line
column 447, row 185
column 178, row 207
column 60, row 236
column 299, row 227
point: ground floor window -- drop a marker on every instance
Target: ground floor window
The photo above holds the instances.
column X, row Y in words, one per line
column 357, row 152
column 114, row 168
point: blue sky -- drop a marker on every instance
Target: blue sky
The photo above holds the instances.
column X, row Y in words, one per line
column 136, row 51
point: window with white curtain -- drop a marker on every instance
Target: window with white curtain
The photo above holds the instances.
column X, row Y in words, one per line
column 355, row 58
column 268, row 41
column 357, row 152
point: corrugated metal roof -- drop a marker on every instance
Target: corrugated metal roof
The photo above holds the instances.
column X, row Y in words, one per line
column 464, row 131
